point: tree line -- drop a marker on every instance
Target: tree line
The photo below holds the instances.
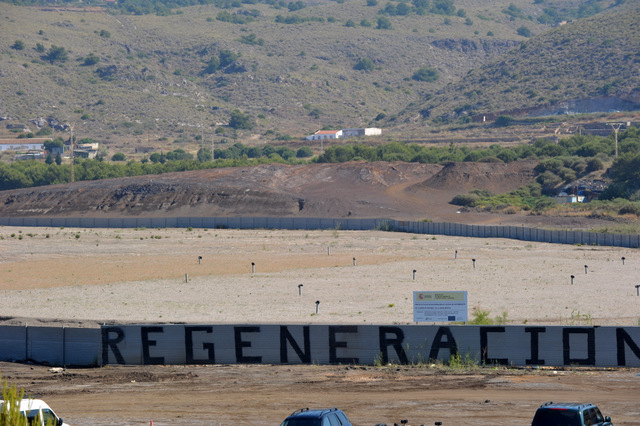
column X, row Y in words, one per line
column 558, row 163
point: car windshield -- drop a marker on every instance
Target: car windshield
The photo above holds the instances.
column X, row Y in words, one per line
column 554, row 417
column 33, row 417
column 301, row 422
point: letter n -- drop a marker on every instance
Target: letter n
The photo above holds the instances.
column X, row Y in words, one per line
column 623, row 337
column 285, row 336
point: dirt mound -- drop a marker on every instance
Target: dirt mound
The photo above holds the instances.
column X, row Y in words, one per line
column 397, row 190
column 494, row 177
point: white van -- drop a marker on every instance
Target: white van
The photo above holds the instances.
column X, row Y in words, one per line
column 38, row 413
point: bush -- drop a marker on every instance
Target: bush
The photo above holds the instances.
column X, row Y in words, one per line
column 91, row 60
column 503, row 121
column 364, row 64
column 467, row 200
column 524, row 31
column 18, row 45
column 56, row 53
column 10, row 413
column 118, row 156
column 240, row 121
column 304, row 152
column 384, row 23
column 630, row 209
column 426, row 74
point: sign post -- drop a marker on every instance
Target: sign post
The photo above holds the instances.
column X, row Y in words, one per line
column 440, row 306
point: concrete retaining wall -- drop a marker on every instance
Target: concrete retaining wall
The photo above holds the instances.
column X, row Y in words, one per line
column 436, row 228
column 51, row 345
column 148, row 344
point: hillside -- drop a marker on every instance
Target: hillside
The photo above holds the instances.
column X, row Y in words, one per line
column 584, row 66
column 145, row 80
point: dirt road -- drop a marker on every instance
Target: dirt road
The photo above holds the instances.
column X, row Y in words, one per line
column 264, row 395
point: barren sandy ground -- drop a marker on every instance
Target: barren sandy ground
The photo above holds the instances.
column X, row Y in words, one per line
column 129, row 275
column 89, row 276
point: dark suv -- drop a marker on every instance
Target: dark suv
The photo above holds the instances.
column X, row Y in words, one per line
column 326, row 417
column 566, row 414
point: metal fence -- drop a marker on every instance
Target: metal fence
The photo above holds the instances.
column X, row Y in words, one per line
column 434, row 228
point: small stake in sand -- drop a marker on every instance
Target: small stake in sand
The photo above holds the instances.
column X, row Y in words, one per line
column 474, row 263
column 354, row 261
column 253, row 268
column 317, row 304
column 199, row 259
column 638, row 290
column 328, row 250
column 586, row 269
column 623, row 260
column 186, row 278
column 572, row 277
column 300, row 289
column 455, row 256
column 414, row 274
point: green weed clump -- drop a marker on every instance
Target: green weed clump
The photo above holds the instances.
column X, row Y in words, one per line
column 10, row 412
column 458, row 362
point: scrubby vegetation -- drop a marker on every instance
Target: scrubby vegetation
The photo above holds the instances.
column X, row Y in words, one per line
column 558, row 163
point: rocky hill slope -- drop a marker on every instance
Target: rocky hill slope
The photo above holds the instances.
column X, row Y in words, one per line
column 410, row 191
column 585, row 66
column 133, row 81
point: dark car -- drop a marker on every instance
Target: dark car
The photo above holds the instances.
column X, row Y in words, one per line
column 319, row 417
column 569, row 414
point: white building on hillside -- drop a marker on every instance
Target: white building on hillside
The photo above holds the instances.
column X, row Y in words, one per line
column 369, row 131
column 325, row 134
column 344, row 133
column 25, row 144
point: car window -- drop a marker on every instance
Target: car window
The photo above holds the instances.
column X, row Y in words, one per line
column 343, row 419
column 302, row 422
column 49, row 417
column 333, row 419
column 33, row 417
column 592, row 416
column 552, row 417
column 598, row 414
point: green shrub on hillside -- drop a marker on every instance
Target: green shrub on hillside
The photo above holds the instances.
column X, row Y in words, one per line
column 427, row 74
column 364, row 64
column 56, row 54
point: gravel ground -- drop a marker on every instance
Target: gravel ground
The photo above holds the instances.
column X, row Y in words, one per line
column 90, row 276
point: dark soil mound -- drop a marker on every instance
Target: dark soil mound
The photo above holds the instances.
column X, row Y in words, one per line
column 494, row 177
column 396, row 190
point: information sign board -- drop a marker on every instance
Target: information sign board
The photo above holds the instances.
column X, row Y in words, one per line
column 439, row 306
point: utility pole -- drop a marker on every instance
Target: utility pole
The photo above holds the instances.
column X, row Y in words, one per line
column 72, row 159
column 615, row 127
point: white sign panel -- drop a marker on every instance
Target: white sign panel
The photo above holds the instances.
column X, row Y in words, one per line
column 439, row 306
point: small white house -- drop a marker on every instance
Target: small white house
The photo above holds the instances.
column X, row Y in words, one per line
column 325, row 134
column 369, row 131
column 564, row 198
column 344, row 133
column 21, row 145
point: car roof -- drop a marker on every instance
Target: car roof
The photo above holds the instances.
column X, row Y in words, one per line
column 566, row 405
column 27, row 404
column 315, row 413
